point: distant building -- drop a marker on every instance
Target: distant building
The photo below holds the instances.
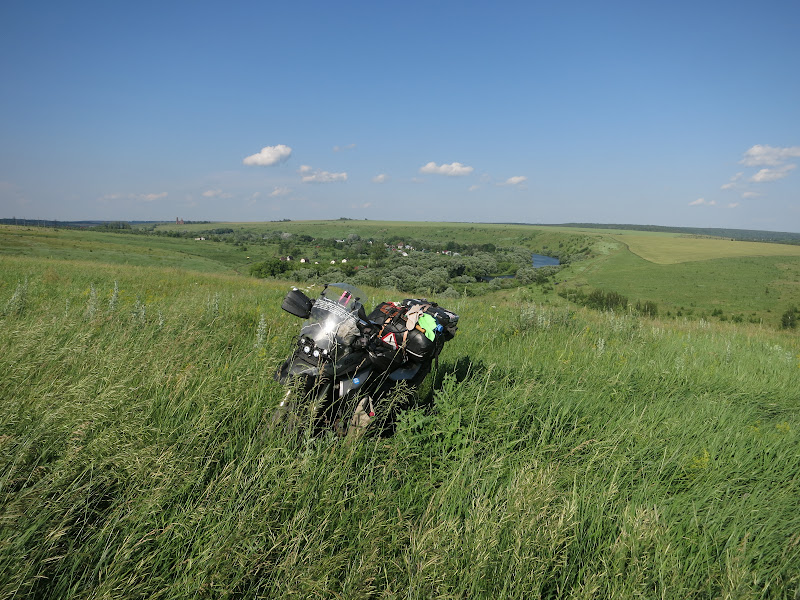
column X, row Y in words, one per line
column 178, row 221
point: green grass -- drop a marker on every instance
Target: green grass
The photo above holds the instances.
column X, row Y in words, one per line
column 125, row 249
column 758, row 286
column 665, row 249
column 567, row 454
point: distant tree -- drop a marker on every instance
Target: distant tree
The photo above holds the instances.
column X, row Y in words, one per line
column 789, row 318
column 269, row 268
column 600, row 300
column 433, row 281
column 648, row 308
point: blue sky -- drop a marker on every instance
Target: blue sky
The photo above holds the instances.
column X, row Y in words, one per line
column 679, row 113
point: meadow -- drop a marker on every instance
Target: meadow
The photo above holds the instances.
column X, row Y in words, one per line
column 556, row 452
column 715, row 277
column 672, row 249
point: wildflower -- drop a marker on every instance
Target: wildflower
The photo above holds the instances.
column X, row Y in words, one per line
column 261, row 333
column 112, row 303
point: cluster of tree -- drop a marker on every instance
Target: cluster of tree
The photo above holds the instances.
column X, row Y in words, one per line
column 609, row 301
column 53, row 224
column 274, row 267
column 114, row 226
column 424, row 273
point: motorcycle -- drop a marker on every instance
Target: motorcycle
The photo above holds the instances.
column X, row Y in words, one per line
column 346, row 362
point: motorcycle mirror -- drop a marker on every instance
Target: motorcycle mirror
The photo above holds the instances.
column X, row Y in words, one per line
column 297, row 303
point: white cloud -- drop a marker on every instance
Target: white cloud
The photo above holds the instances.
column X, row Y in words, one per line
column 269, row 155
column 455, row 169
column 751, row 195
column 309, row 175
column 340, row 148
column 280, row 191
column 703, row 202
column 517, row 180
column 769, row 155
column 733, row 182
column 216, row 194
column 153, row 197
column 473, row 188
column 772, row 174
column 382, row 178
column 733, row 205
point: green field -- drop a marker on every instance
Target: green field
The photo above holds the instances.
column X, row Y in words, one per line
column 668, row 249
column 758, row 287
column 557, row 452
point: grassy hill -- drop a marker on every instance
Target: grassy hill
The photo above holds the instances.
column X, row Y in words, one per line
column 557, row 452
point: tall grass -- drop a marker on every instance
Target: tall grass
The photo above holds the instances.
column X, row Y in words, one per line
column 556, row 453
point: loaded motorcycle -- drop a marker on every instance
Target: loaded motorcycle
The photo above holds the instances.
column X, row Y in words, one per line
column 346, row 362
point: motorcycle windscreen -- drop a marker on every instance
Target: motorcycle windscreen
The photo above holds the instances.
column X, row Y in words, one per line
column 330, row 326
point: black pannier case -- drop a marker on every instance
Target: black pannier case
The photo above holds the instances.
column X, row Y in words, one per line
column 396, row 340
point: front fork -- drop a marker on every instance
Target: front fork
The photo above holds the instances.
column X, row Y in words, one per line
column 301, row 404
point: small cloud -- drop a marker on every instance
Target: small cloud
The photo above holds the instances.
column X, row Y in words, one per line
column 216, row 194
column 473, row 188
column 280, row 191
column 153, row 197
column 765, row 175
column 517, row 180
column 382, row 178
column 733, row 182
column 341, row 148
column 309, row 175
column 703, row 202
column 455, row 169
column 269, row 155
column 747, row 195
column 733, row 205
column 769, row 155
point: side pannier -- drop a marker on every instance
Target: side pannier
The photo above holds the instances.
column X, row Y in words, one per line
column 414, row 330
column 447, row 320
column 388, row 318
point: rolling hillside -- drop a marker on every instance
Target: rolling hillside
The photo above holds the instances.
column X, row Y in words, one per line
column 556, row 452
